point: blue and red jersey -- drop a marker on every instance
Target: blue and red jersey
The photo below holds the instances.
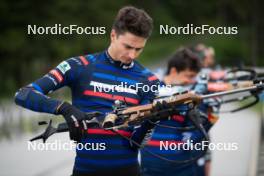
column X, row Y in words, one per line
column 89, row 78
column 168, row 136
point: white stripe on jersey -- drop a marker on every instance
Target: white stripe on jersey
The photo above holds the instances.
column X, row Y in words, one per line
column 111, row 87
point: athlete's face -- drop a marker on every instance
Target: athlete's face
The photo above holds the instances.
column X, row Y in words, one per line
column 126, row 47
column 209, row 58
column 184, row 77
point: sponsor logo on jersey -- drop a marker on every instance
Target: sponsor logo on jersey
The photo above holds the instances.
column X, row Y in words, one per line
column 64, row 67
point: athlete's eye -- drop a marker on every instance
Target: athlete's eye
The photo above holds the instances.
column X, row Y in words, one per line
column 128, row 47
column 138, row 49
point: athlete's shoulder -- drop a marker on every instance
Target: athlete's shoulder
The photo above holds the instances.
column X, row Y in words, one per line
column 83, row 60
column 77, row 62
column 148, row 75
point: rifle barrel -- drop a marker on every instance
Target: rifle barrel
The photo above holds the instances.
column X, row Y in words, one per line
column 252, row 88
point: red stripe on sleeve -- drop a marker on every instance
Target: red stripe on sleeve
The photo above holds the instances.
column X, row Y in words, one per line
column 84, row 61
column 152, row 78
column 107, row 132
column 57, row 75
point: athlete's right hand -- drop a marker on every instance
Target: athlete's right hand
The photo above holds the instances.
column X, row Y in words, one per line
column 76, row 119
column 162, row 110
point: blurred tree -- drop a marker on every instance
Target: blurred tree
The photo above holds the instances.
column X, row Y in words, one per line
column 26, row 57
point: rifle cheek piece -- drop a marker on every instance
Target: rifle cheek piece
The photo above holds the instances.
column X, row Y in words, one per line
column 109, row 120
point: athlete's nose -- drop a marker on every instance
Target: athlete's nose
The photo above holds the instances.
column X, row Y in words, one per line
column 132, row 54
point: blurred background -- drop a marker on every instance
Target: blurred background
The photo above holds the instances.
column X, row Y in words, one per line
column 25, row 58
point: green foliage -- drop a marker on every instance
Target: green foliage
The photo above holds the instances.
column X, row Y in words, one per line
column 25, row 57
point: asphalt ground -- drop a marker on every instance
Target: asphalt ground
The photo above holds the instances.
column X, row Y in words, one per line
column 242, row 128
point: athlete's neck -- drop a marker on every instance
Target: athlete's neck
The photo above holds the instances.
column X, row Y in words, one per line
column 112, row 53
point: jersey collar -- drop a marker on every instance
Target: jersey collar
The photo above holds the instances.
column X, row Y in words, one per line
column 118, row 63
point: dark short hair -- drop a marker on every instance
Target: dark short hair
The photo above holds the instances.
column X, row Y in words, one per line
column 133, row 20
column 184, row 59
column 200, row 53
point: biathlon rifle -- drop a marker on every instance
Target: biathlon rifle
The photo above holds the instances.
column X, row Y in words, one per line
column 135, row 115
column 123, row 116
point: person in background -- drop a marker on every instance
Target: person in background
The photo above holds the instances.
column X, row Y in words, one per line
column 205, row 54
column 182, row 70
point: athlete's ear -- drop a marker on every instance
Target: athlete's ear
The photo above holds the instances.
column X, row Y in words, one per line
column 113, row 35
column 173, row 71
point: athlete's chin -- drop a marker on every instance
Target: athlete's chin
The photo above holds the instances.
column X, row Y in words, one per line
column 127, row 61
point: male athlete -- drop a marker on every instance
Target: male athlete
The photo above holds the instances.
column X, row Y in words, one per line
column 182, row 70
column 89, row 77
